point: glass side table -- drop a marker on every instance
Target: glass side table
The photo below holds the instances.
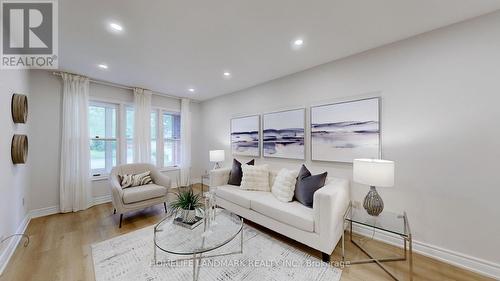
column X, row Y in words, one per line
column 205, row 180
column 392, row 223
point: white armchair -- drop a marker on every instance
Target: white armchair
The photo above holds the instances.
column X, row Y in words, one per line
column 139, row 197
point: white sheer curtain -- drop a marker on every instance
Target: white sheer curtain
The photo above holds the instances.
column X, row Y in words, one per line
column 75, row 188
column 142, row 126
column 185, row 141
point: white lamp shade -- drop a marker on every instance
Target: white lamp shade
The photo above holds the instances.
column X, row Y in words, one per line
column 217, row 155
column 373, row 172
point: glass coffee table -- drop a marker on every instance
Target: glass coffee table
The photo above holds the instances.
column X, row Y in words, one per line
column 390, row 223
column 195, row 244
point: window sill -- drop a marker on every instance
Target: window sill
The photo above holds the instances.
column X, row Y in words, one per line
column 106, row 177
column 169, row 169
column 99, row 178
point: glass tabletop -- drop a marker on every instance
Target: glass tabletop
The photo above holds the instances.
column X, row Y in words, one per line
column 176, row 239
column 387, row 221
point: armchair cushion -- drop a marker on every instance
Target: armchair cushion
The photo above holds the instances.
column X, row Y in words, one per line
column 128, row 180
column 143, row 192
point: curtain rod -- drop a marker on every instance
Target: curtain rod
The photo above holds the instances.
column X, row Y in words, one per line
column 116, row 85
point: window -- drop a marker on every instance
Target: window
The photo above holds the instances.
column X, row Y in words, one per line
column 103, row 140
column 129, row 134
column 171, row 139
column 154, row 137
column 111, row 128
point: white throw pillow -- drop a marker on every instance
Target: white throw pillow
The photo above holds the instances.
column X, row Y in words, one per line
column 255, row 177
column 284, row 185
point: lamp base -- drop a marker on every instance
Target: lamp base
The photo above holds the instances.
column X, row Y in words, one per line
column 373, row 203
column 216, row 166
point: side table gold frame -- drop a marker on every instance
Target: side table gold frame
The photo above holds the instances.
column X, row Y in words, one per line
column 407, row 244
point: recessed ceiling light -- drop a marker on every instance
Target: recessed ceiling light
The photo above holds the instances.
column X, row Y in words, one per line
column 115, row 26
column 226, row 74
column 192, row 90
column 102, row 66
column 298, row 42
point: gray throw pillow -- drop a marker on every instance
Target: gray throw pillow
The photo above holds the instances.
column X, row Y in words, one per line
column 236, row 173
column 307, row 184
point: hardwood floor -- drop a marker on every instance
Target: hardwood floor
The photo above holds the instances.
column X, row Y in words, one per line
column 60, row 249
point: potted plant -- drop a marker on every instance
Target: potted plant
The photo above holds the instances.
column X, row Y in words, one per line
column 187, row 203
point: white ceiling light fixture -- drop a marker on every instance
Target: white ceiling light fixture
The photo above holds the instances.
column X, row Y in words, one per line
column 192, row 90
column 115, row 27
column 297, row 43
column 102, row 66
column 226, row 74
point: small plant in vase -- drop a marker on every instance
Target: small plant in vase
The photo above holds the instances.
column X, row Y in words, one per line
column 187, row 203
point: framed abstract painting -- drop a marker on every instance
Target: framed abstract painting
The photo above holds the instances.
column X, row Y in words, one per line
column 283, row 134
column 245, row 136
column 342, row 132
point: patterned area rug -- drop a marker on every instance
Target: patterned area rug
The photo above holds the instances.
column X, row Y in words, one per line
column 129, row 257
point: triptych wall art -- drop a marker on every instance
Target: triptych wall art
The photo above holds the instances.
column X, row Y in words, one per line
column 284, row 134
column 245, row 136
column 345, row 131
column 339, row 132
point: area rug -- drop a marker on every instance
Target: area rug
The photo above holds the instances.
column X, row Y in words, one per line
column 264, row 258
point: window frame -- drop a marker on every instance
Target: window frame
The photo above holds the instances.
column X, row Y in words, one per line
column 96, row 173
column 173, row 140
column 160, row 140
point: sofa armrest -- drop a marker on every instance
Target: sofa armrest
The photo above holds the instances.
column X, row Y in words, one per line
column 219, row 177
column 330, row 204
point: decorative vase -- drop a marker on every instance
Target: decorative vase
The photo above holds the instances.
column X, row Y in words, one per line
column 188, row 216
column 373, row 203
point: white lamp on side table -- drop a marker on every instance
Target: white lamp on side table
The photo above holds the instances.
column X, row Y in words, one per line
column 373, row 172
column 217, row 156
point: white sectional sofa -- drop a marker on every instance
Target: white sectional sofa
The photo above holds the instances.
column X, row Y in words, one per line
column 319, row 227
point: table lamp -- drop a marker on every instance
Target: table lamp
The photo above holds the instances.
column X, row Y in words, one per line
column 373, row 172
column 217, row 156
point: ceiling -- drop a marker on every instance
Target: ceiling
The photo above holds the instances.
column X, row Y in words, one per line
column 170, row 46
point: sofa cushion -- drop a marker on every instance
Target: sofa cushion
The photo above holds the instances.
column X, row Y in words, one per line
column 291, row 213
column 307, row 185
column 237, row 196
column 143, row 192
column 284, row 185
column 255, row 178
column 236, row 173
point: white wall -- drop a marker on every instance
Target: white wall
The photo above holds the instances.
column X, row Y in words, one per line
column 440, row 108
column 14, row 179
column 46, row 102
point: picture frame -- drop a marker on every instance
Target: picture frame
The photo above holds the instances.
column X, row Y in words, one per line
column 344, row 131
column 283, row 134
column 245, row 136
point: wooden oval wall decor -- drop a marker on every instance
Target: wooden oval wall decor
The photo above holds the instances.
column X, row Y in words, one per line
column 19, row 108
column 19, row 149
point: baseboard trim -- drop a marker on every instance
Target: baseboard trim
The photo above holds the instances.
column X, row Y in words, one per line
column 37, row 213
column 12, row 245
column 470, row 263
column 101, row 200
